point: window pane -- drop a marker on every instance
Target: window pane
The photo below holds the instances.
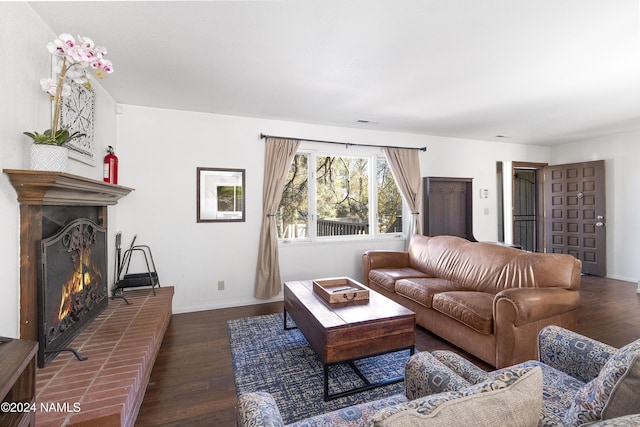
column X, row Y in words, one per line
column 293, row 214
column 389, row 200
column 342, row 195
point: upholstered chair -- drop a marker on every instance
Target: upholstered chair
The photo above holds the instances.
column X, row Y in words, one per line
column 584, row 381
column 577, row 381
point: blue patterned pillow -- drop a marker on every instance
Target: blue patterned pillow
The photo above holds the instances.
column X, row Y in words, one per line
column 613, row 393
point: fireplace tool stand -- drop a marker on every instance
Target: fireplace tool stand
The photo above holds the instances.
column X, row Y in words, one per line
column 118, row 293
column 124, row 279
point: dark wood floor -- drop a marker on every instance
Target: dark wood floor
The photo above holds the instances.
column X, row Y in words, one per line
column 192, row 381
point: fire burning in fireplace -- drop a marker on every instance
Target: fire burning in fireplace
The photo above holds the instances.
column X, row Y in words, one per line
column 75, row 285
column 73, row 288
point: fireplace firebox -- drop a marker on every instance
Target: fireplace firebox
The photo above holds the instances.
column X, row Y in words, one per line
column 73, row 287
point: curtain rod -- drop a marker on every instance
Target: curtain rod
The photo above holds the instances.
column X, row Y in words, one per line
column 348, row 144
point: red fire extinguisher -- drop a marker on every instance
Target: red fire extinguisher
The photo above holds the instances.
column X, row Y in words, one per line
column 110, row 174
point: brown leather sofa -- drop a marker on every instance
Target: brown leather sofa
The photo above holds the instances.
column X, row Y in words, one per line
column 487, row 299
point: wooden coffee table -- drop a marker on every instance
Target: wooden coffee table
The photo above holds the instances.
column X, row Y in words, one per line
column 346, row 332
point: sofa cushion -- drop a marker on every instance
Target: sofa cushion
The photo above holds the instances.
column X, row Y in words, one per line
column 513, row 398
column 421, row 290
column 474, row 309
column 613, row 393
column 387, row 277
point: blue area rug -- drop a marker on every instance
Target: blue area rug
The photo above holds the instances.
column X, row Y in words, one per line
column 268, row 358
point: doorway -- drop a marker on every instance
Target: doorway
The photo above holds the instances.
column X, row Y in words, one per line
column 524, row 209
column 528, row 206
column 569, row 205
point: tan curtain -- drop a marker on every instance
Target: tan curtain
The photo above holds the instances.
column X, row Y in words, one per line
column 405, row 166
column 277, row 160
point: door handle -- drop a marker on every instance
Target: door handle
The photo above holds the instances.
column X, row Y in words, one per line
column 599, row 224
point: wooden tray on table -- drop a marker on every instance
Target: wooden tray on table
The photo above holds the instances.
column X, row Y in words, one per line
column 340, row 290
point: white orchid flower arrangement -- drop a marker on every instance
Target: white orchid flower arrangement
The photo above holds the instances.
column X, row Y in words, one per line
column 73, row 60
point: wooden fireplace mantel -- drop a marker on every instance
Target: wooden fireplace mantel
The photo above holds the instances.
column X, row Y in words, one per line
column 38, row 192
column 60, row 188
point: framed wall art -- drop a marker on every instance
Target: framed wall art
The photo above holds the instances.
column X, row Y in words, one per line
column 220, row 195
column 77, row 113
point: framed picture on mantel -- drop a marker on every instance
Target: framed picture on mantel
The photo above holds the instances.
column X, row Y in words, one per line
column 220, row 195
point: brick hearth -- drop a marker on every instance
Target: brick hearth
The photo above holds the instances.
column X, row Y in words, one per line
column 107, row 389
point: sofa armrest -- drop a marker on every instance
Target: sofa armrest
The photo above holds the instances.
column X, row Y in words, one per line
column 574, row 354
column 258, row 410
column 461, row 366
column 520, row 313
column 382, row 259
column 425, row 375
column 527, row 305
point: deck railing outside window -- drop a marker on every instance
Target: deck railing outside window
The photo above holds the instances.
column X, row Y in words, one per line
column 341, row 227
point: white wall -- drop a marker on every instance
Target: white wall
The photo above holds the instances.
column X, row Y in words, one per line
column 477, row 159
column 25, row 107
column 620, row 153
column 159, row 152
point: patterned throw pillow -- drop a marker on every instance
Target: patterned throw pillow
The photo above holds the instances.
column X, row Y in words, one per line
column 613, row 393
column 513, row 398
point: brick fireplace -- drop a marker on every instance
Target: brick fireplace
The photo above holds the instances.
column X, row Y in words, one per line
column 122, row 342
column 48, row 201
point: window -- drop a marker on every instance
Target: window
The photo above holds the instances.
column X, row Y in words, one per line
column 328, row 196
column 293, row 213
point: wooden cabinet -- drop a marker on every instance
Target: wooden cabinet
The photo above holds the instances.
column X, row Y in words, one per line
column 18, row 383
column 448, row 207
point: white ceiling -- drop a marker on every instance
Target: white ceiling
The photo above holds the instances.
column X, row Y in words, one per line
column 539, row 71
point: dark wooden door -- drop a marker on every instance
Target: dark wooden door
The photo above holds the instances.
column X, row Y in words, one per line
column 448, row 207
column 575, row 213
